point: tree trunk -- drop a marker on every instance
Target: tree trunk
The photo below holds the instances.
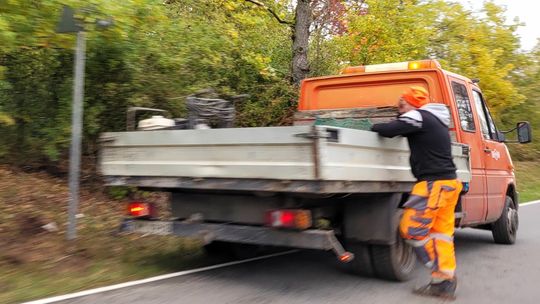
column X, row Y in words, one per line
column 300, row 37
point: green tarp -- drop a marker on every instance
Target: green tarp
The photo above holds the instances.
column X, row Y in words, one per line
column 350, row 123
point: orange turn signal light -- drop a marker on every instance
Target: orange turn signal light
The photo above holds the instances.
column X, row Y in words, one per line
column 423, row 64
column 346, row 257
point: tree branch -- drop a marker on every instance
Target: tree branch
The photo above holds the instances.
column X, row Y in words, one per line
column 270, row 11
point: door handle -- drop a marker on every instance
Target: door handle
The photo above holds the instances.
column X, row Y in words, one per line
column 487, row 150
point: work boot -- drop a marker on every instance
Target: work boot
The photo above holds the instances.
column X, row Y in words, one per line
column 445, row 289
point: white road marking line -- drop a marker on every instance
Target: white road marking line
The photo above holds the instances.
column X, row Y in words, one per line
column 530, row 203
column 153, row 279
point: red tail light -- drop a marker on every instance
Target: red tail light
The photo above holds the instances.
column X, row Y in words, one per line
column 289, row 218
column 140, row 209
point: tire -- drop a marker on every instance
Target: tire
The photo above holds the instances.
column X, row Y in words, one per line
column 393, row 262
column 361, row 264
column 504, row 230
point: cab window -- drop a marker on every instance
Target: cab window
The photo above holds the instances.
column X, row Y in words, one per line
column 481, row 115
column 488, row 127
column 464, row 107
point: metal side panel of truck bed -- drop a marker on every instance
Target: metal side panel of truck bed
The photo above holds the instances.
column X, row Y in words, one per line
column 266, row 159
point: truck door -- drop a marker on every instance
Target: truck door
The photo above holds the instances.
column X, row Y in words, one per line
column 498, row 166
column 474, row 202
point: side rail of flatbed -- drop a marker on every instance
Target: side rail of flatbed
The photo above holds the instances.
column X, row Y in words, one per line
column 305, row 159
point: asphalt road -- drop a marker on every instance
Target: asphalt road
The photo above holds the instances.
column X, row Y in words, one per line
column 488, row 273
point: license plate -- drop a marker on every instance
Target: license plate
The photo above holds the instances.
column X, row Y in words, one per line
column 159, row 228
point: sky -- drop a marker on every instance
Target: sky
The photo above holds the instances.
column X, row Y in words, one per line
column 526, row 10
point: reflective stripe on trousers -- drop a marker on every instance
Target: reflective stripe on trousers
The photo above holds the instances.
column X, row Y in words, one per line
column 428, row 224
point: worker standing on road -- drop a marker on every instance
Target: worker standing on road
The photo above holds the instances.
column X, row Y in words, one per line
column 428, row 220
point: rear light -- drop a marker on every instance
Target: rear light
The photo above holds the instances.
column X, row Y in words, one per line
column 140, row 209
column 289, row 218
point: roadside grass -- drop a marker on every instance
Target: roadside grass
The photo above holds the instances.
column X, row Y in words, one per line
column 36, row 263
column 528, row 180
column 37, row 280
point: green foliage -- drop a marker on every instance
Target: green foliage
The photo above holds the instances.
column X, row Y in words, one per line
column 528, row 181
column 482, row 47
column 159, row 52
column 119, row 192
column 273, row 106
column 155, row 55
column 528, row 84
column 388, row 31
column 5, row 119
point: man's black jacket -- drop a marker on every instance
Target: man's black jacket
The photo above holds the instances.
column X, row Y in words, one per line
column 426, row 130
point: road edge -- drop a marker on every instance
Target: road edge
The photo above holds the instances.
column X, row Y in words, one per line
column 529, row 203
column 174, row 274
column 153, row 279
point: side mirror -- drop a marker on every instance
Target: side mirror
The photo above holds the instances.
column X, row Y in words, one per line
column 524, row 132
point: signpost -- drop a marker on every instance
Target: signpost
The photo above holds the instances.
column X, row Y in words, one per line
column 68, row 24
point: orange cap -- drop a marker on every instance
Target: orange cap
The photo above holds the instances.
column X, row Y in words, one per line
column 416, row 96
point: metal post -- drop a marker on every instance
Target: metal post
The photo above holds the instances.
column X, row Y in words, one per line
column 76, row 130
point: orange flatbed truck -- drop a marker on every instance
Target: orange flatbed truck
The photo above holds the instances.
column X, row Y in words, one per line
column 320, row 186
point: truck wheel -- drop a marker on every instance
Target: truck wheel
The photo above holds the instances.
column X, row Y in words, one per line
column 361, row 264
column 505, row 228
column 393, row 262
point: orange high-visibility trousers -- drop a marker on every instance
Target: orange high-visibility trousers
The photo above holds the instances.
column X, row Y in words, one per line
column 428, row 225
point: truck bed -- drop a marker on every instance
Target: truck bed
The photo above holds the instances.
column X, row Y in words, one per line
column 319, row 159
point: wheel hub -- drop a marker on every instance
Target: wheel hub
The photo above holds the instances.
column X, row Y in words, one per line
column 405, row 254
column 512, row 218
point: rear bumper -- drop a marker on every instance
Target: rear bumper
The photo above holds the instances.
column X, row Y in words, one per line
column 308, row 239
